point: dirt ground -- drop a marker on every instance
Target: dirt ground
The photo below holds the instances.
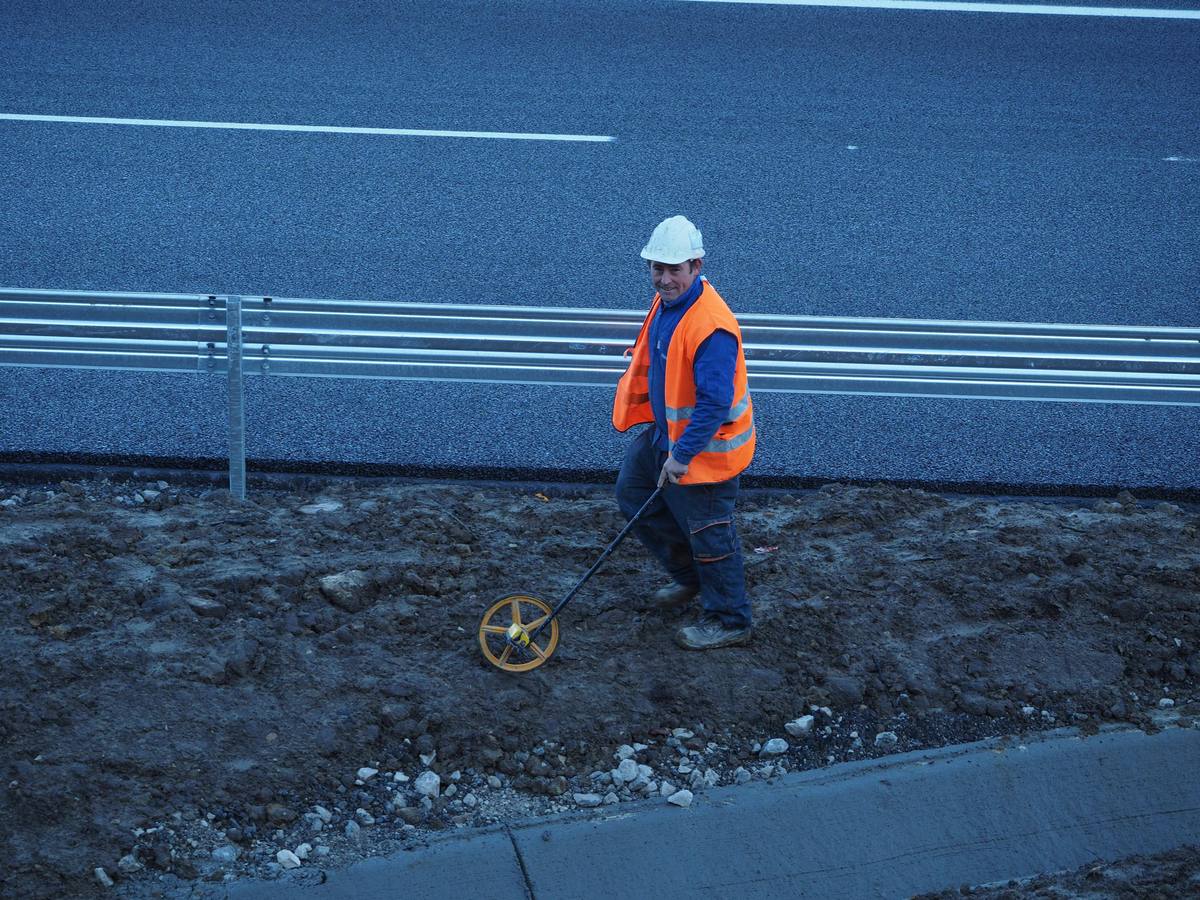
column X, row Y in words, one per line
column 187, row 692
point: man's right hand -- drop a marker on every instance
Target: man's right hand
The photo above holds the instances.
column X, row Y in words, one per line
column 672, row 470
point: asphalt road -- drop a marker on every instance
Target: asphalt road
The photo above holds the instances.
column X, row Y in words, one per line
column 852, row 162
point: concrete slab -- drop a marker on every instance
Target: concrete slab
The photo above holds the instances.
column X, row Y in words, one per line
column 916, row 822
column 481, row 864
column 909, row 823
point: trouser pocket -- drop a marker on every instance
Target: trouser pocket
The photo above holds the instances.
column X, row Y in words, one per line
column 712, row 539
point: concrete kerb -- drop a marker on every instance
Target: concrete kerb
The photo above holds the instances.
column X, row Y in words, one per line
column 890, row 827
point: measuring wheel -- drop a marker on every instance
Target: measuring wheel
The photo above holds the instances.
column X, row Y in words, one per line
column 506, row 633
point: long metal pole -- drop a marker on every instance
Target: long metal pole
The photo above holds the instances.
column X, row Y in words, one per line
column 608, row 551
column 237, row 398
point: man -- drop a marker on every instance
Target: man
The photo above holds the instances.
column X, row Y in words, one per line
column 687, row 379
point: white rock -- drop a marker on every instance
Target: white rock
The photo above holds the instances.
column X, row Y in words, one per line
column 400, row 777
column 800, row 726
column 428, row 784
column 740, row 775
column 494, row 782
column 364, row 817
column 321, row 506
column 1165, row 703
column 1028, row 710
column 610, row 798
column 682, row 733
column 102, row 877
column 346, row 589
column 428, row 758
column 627, row 769
column 638, row 748
column 644, row 771
column 681, row 798
column 470, row 801
column 666, row 789
column 326, row 815
column 303, row 851
column 451, row 790
column 226, row 854
column 288, row 859
column 885, row 739
column 367, row 772
column 588, row 800
column 129, row 864
column 11, row 501
column 625, row 752
column 774, row 747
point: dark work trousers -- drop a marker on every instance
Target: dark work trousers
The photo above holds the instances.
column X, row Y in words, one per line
column 689, row 529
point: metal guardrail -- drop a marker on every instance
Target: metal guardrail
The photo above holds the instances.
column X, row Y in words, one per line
column 532, row 345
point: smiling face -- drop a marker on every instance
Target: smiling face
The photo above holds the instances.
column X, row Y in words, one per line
column 673, row 281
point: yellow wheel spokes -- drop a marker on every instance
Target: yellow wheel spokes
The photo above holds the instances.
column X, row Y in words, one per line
column 494, row 633
column 535, row 624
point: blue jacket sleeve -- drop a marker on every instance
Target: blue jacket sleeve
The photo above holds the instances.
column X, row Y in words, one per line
column 712, row 369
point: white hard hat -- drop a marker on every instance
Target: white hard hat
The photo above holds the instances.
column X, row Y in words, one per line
column 674, row 241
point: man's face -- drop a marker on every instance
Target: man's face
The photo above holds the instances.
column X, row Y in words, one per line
column 673, row 281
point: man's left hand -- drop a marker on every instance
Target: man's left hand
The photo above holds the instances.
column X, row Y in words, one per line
column 674, row 469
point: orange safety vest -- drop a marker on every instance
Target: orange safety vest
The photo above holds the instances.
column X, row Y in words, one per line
column 732, row 447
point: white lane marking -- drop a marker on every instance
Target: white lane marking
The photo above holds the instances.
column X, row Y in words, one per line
column 947, row 6
column 320, row 129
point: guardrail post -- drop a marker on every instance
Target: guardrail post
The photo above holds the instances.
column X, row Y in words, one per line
column 237, row 398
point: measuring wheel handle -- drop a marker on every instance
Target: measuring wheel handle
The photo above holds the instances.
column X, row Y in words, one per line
column 517, row 633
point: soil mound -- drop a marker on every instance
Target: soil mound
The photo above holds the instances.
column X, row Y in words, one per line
column 192, row 684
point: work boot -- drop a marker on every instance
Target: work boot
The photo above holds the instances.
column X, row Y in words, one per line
column 672, row 596
column 709, row 633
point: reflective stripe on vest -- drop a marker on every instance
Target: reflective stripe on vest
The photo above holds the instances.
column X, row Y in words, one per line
column 686, row 412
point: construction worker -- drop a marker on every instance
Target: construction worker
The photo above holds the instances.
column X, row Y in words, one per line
column 687, row 380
